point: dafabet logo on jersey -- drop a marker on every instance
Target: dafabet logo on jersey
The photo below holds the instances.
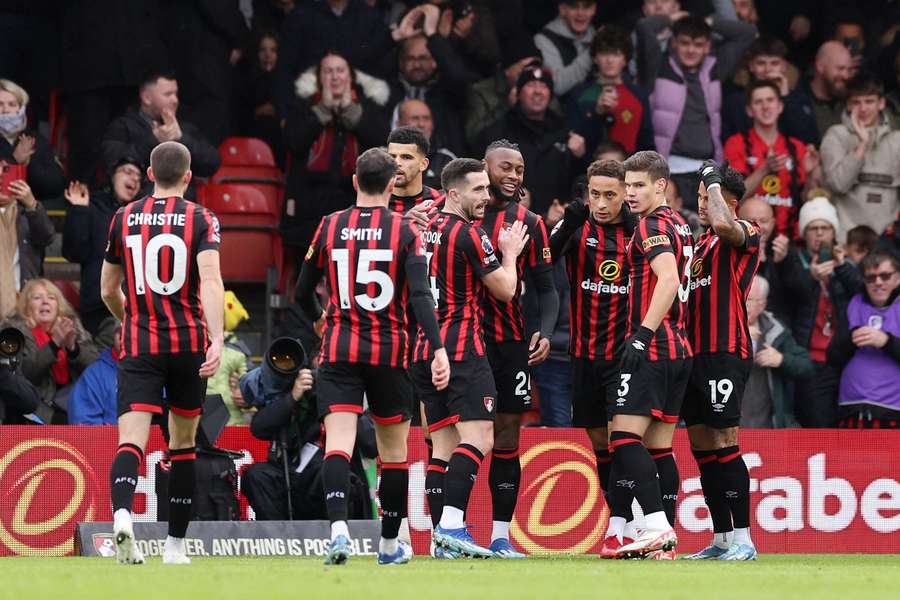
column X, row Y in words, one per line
column 609, row 270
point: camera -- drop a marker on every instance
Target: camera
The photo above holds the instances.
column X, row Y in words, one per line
column 275, row 376
column 11, row 343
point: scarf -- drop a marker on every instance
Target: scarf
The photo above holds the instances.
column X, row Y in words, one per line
column 322, row 150
column 60, row 369
column 9, row 243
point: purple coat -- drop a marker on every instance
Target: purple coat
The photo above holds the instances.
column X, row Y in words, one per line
column 871, row 376
column 668, row 99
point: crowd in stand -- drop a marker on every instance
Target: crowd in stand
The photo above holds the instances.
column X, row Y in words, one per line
column 803, row 98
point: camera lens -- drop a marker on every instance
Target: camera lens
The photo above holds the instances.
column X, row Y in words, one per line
column 11, row 342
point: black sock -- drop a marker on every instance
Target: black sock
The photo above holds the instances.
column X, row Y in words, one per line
column 735, row 480
column 618, row 499
column 506, row 472
column 460, row 477
column 123, row 476
column 669, row 480
column 710, row 479
column 434, row 488
column 181, row 490
column 635, row 470
column 336, row 481
column 392, row 493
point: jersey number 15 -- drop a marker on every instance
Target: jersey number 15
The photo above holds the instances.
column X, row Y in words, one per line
column 365, row 274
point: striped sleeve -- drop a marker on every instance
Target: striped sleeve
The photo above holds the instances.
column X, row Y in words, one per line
column 479, row 252
column 653, row 237
column 209, row 232
column 114, row 241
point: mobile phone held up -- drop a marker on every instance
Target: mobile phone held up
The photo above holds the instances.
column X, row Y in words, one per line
column 8, row 174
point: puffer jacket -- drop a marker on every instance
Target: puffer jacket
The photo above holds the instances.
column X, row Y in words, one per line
column 865, row 192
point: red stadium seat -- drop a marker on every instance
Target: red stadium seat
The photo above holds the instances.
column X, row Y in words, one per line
column 251, row 243
column 70, row 292
column 250, row 161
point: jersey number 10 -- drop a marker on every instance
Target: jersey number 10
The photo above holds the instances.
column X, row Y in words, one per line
column 146, row 264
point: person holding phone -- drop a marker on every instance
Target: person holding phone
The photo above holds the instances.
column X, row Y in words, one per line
column 820, row 281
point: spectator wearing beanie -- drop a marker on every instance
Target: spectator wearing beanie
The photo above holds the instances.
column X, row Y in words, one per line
column 548, row 146
column 489, row 99
column 861, row 159
column 820, row 282
column 87, row 231
column 565, row 44
column 868, row 348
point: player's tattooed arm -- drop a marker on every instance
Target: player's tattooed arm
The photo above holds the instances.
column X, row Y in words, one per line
column 111, row 277
column 721, row 216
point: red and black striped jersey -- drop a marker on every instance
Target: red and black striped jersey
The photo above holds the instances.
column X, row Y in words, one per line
column 663, row 230
column 459, row 254
column 401, row 204
column 503, row 321
column 156, row 241
column 721, row 275
column 363, row 252
column 597, row 266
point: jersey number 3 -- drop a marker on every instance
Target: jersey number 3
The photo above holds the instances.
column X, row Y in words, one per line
column 365, row 275
column 146, row 263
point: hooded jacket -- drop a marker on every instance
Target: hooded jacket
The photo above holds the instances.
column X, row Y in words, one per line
column 93, row 401
column 865, row 191
column 567, row 56
column 321, row 144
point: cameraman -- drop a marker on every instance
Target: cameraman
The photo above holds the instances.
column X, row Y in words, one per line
column 18, row 397
column 290, row 420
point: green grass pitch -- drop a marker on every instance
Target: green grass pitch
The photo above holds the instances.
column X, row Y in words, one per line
column 806, row 577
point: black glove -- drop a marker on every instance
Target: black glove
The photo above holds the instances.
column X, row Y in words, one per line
column 634, row 351
column 576, row 213
column 710, row 173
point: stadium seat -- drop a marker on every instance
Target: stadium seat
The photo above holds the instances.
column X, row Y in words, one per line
column 250, row 161
column 70, row 292
column 251, row 242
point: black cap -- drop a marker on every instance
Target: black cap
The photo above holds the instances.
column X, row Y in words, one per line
column 534, row 74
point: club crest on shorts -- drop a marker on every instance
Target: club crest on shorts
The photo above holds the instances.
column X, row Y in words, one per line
column 489, row 403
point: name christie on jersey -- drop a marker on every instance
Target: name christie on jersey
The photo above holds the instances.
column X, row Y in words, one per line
column 364, row 234
column 156, row 219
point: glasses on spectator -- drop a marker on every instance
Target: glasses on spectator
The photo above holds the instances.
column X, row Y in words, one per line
column 884, row 276
column 129, row 171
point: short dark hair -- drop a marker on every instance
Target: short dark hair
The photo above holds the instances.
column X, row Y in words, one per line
column 760, row 84
column 606, row 168
column 865, row 84
column 612, row 38
column 875, row 258
column 862, row 236
column 169, row 162
column 733, row 182
column 766, row 45
column 648, row 161
column 692, row 26
column 407, row 134
column 374, row 170
column 610, row 146
column 152, row 76
column 502, row 143
column 456, row 170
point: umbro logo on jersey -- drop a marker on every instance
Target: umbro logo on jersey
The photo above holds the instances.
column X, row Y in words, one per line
column 592, row 242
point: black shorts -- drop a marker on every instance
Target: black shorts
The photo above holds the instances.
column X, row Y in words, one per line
column 595, row 385
column 656, row 390
column 340, row 387
column 512, row 376
column 141, row 380
column 471, row 395
column 715, row 390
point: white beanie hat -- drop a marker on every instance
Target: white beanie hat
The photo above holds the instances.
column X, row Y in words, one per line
column 818, row 209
